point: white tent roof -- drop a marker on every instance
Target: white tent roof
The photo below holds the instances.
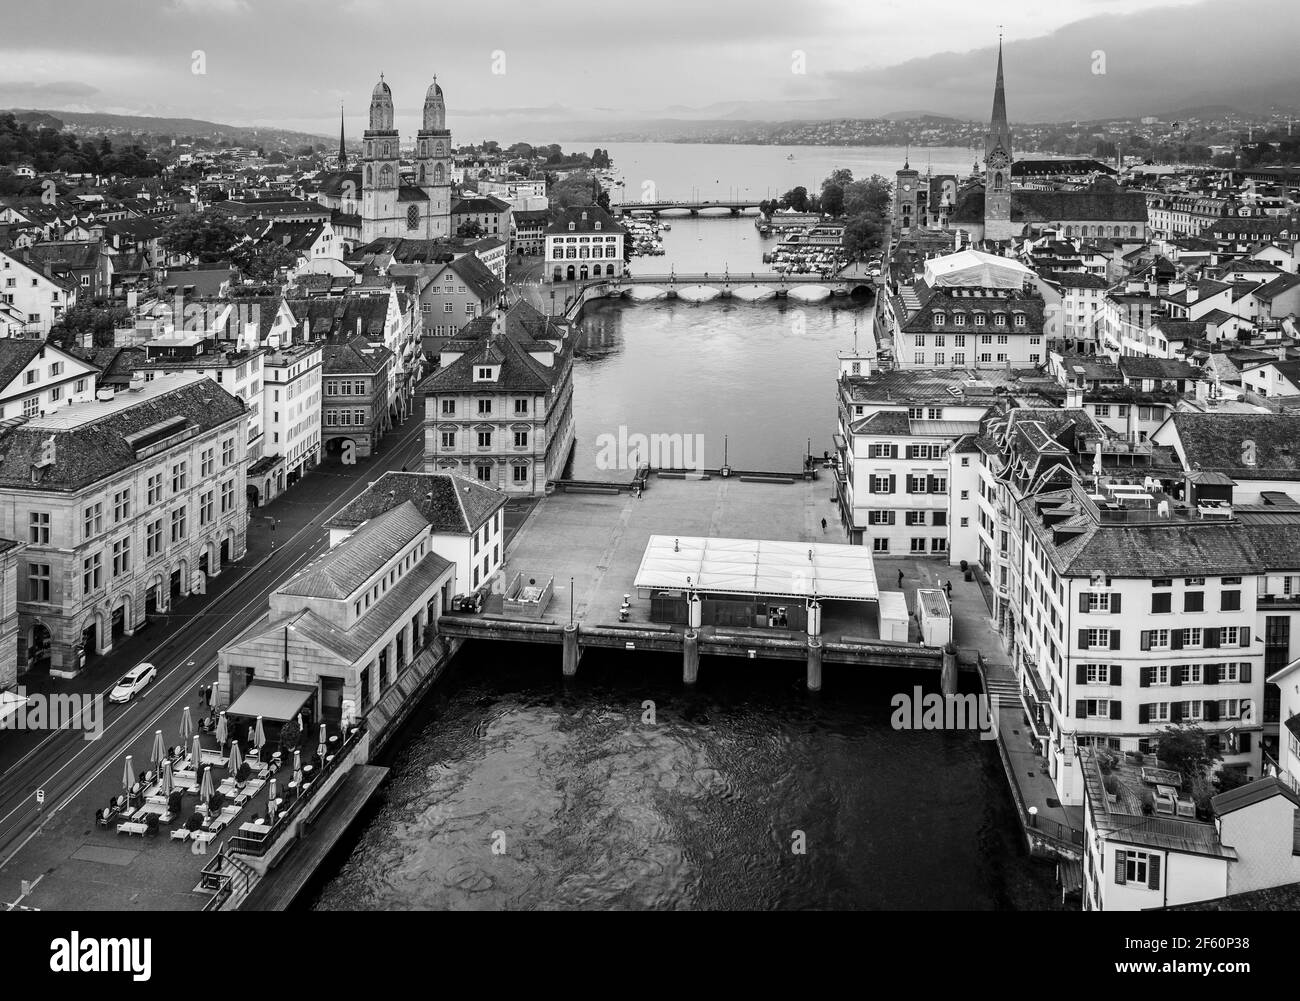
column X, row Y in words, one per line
column 759, row 567
column 974, row 269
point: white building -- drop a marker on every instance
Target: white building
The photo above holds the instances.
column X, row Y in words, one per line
column 38, row 378
column 584, row 243
column 39, row 296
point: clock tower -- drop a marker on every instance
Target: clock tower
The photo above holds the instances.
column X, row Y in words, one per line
column 997, row 166
column 906, row 183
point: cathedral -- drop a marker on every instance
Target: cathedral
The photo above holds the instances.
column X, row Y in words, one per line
column 388, row 204
column 993, row 213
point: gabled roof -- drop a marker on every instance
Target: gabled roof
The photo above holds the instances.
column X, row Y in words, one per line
column 16, row 353
column 1141, row 367
column 1214, row 442
column 1252, row 793
column 353, row 357
column 341, row 571
column 584, row 218
column 450, row 503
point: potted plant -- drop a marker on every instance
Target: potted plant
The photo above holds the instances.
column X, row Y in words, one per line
column 215, row 803
column 1112, row 788
column 175, row 801
column 151, row 825
column 194, row 823
column 243, row 772
column 290, row 737
column 1148, row 803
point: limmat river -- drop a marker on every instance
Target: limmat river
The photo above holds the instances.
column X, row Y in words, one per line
column 514, row 789
column 587, row 805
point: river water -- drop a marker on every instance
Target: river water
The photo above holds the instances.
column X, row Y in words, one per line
column 589, row 806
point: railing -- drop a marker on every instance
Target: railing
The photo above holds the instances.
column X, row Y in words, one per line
column 258, row 847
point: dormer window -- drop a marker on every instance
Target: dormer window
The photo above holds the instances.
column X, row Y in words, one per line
column 939, row 319
column 572, row 226
column 485, row 373
column 597, row 226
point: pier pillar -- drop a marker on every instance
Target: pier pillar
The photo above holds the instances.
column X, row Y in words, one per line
column 571, row 651
column 948, row 674
column 690, row 657
column 814, row 664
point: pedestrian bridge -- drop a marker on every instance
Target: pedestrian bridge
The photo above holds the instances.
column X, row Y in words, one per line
column 751, row 286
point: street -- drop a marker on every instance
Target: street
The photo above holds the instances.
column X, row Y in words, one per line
column 183, row 645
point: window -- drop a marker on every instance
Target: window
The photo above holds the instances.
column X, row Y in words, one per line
column 180, row 477
column 1195, row 581
column 205, row 508
column 521, row 439
column 939, row 545
column 881, row 485
column 38, row 527
column 1019, row 320
column 939, row 518
column 979, row 319
column 92, row 520
column 1162, row 582
column 1191, row 637
column 1194, row 601
column 1098, row 601
column 959, row 320
column 1102, row 409
column 121, row 556
column 449, row 439
column 1095, row 708
column 1230, row 601
column 1098, row 639
column 1229, row 636
column 485, row 406
column 91, row 574
column 207, row 463
column 986, row 338
column 918, row 545
column 521, row 405
column 153, row 539
column 449, row 408
column 915, row 518
column 178, row 524
column 228, row 451
column 880, row 517
column 1162, row 602
column 520, row 474
column 485, row 439
column 38, row 582
column 880, row 545
column 227, row 496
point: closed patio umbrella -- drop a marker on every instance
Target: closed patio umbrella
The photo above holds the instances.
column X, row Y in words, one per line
column 236, row 759
column 270, row 800
column 205, row 787
column 222, row 734
column 128, row 776
column 187, row 725
column 320, row 748
column 259, row 734
column 167, row 778
column 196, row 754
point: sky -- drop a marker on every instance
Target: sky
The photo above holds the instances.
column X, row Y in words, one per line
column 521, row 69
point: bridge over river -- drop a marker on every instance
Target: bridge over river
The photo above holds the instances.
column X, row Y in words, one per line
column 706, row 286
column 734, row 207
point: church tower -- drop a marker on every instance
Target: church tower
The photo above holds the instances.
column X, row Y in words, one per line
column 997, row 166
column 906, row 183
column 433, row 163
column 380, row 170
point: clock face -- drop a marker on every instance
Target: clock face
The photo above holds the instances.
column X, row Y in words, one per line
column 907, row 187
column 998, row 160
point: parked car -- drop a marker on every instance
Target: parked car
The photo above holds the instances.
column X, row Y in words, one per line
column 133, row 683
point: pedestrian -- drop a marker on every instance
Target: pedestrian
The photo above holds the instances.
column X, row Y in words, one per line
column 823, row 526
column 900, row 578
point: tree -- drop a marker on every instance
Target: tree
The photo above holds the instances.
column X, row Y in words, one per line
column 205, row 236
column 575, row 190
column 862, row 235
column 99, row 322
column 795, row 198
column 263, row 260
column 470, row 229
column 1187, row 750
column 871, row 197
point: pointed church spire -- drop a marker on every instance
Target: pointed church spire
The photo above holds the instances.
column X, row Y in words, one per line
column 343, row 152
column 999, row 121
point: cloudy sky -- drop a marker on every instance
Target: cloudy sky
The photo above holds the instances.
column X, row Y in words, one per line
column 521, row 68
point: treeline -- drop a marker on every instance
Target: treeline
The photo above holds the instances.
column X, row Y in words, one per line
column 48, row 149
column 862, row 205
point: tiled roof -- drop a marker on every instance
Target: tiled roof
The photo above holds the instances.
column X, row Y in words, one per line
column 450, row 503
column 1279, row 285
column 354, row 356
column 584, row 219
column 345, row 317
column 92, row 451
column 518, row 372
column 1252, row 793
column 1140, row 367
column 1274, row 898
column 480, row 205
column 484, row 285
column 339, row 572
column 883, row 422
column 16, row 353
column 1214, row 442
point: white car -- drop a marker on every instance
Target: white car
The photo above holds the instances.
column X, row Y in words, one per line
column 134, row 682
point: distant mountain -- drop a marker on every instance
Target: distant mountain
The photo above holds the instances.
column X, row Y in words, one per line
column 1204, row 111
column 928, row 117
column 165, row 126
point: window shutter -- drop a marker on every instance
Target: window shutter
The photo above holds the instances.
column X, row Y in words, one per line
column 1081, row 676
column 1175, row 674
column 1211, row 638
column 1114, row 639
column 1114, row 604
column 1295, row 832
column 1243, row 742
column 1144, row 713
column 1083, row 601
column 1116, row 675
column 892, row 516
column 1153, row 872
column 893, row 480
column 1121, row 859
column 871, row 484
column 911, row 451
column 1144, row 676
column 1083, row 639
column 1245, row 635
column 1211, row 711
column 1175, row 639
column 893, row 451
column 1175, row 712
column 1211, row 674
column 1080, row 709
column 931, row 485
column 1245, row 672
column 1146, row 642
column 1116, row 709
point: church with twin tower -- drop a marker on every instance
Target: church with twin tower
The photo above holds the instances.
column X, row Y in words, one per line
column 390, row 207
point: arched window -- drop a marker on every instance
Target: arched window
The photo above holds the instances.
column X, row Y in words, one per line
column 421, row 173
column 385, row 150
column 437, row 173
column 424, row 148
column 609, row 270
column 584, row 272
column 437, row 149
column 413, row 217
column 997, row 181
column 370, row 178
column 1069, row 231
column 1132, row 231
column 385, row 176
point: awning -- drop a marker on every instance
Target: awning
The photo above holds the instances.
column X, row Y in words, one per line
column 10, row 703
column 273, row 702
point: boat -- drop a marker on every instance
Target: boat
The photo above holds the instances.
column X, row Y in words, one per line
column 664, row 226
column 789, row 156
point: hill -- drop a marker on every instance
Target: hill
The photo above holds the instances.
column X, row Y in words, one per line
column 101, row 122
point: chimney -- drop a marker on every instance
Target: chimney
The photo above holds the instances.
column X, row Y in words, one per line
column 1073, row 397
